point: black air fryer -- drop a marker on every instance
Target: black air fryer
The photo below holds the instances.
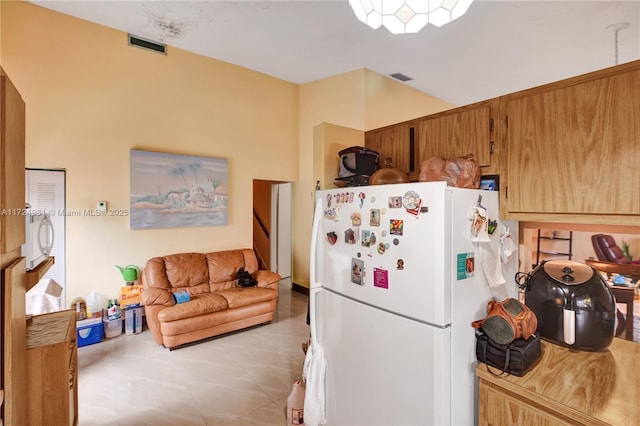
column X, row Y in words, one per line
column 573, row 304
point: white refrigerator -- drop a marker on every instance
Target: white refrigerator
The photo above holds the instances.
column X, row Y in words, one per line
column 397, row 277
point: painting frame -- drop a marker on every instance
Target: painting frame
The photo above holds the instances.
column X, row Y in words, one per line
column 174, row 190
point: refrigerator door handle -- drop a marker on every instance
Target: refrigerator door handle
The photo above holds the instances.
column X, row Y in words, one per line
column 314, row 285
column 317, row 216
column 313, row 293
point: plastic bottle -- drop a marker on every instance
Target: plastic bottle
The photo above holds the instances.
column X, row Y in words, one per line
column 111, row 310
column 80, row 306
column 295, row 405
column 116, row 303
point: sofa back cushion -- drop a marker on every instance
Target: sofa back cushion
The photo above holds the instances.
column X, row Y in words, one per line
column 198, row 273
column 187, row 271
column 224, row 266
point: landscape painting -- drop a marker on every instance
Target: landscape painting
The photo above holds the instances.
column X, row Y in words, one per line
column 173, row 191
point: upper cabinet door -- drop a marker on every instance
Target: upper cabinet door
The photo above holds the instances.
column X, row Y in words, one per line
column 394, row 142
column 456, row 133
column 12, row 172
column 576, row 149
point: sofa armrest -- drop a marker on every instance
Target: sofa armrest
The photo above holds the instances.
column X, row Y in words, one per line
column 157, row 296
column 267, row 279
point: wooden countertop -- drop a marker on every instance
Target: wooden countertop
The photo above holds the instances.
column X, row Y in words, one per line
column 585, row 386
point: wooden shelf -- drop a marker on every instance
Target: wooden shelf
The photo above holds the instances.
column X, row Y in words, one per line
column 38, row 272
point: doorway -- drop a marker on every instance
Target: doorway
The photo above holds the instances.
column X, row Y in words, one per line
column 272, row 226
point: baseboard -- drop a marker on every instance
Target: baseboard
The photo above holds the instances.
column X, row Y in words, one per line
column 300, row 288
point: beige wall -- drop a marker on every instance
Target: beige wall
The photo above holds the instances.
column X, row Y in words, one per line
column 91, row 98
column 387, row 101
column 361, row 100
column 328, row 140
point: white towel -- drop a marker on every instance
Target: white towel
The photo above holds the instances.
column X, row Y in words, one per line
column 313, row 372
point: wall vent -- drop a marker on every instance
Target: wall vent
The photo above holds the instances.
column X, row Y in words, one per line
column 147, row 44
column 400, row 76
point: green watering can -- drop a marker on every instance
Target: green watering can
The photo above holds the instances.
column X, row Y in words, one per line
column 129, row 273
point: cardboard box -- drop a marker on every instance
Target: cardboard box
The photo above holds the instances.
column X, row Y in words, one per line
column 130, row 296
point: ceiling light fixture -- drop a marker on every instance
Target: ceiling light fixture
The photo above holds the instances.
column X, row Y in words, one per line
column 408, row 16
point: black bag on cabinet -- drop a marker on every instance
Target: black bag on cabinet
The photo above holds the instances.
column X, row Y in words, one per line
column 514, row 358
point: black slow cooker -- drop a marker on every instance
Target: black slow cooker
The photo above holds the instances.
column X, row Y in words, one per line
column 573, row 304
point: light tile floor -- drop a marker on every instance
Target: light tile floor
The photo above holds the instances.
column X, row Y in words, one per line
column 238, row 379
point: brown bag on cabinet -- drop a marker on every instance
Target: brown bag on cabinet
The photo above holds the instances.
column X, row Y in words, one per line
column 508, row 320
column 460, row 172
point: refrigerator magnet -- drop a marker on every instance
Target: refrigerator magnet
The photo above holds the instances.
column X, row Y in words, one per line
column 411, row 200
column 330, row 213
column 416, row 210
column 332, row 237
column 361, row 196
column 395, row 202
column 357, row 271
column 382, row 248
column 349, row 236
column 366, row 238
column 396, row 226
column 374, row 217
column 465, row 267
column 380, row 278
column 356, row 219
column 400, row 264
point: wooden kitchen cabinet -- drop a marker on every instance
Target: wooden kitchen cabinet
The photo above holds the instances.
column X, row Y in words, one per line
column 396, row 142
column 459, row 132
column 12, row 166
column 52, row 378
column 14, row 277
column 449, row 134
column 574, row 150
column 566, row 387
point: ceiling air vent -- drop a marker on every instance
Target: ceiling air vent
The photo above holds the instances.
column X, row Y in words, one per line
column 400, row 76
column 147, row 44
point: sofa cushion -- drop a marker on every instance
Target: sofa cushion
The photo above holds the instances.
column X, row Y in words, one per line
column 238, row 297
column 188, row 270
column 199, row 305
column 223, row 265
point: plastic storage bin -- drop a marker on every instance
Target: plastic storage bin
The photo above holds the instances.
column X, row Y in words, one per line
column 133, row 320
column 112, row 328
column 89, row 331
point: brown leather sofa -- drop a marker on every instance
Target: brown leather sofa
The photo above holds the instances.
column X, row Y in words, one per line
column 217, row 304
